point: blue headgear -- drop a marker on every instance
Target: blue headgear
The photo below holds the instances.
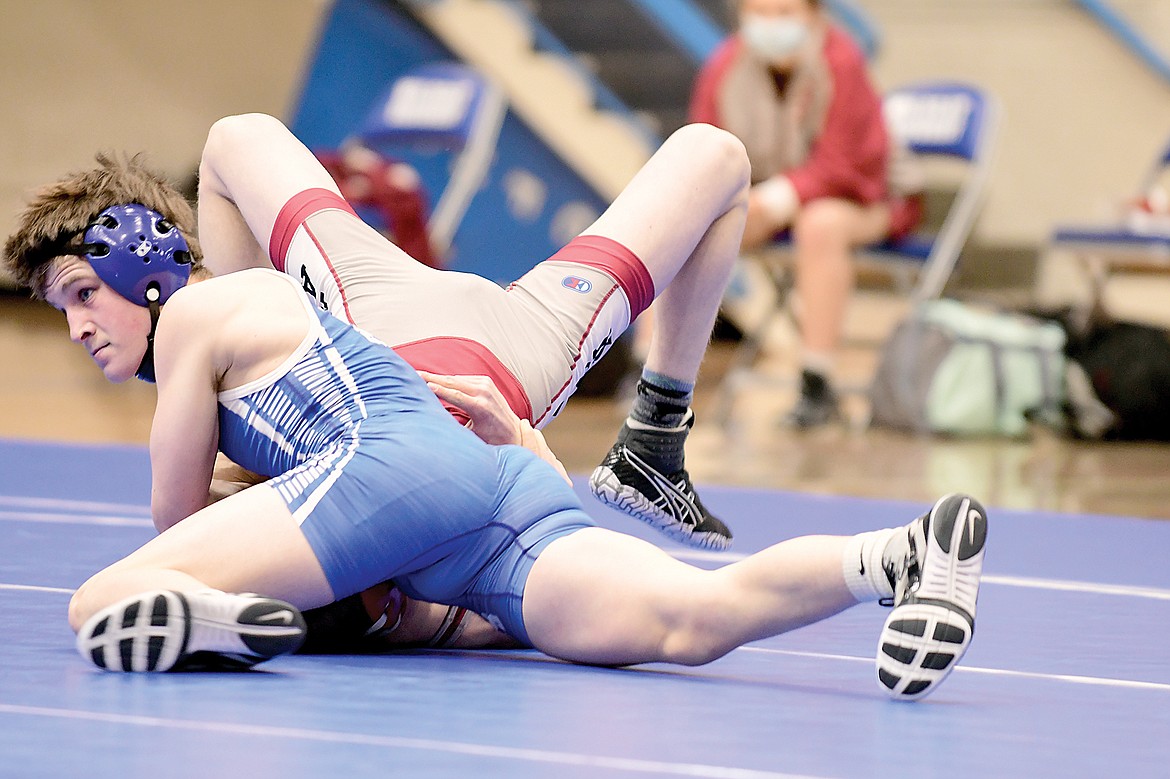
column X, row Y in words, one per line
column 143, row 257
column 133, row 249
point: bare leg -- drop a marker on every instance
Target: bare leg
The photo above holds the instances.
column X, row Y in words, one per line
column 683, row 215
column 826, row 232
column 251, row 166
column 602, row 597
column 245, row 543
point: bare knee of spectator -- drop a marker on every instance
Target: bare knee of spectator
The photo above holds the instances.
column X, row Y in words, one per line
column 823, row 224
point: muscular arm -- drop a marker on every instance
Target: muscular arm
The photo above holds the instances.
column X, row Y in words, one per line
column 184, row 435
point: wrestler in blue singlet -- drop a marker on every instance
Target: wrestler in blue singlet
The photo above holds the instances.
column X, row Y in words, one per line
column 385, row 484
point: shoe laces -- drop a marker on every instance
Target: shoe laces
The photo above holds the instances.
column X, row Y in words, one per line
column 903, row 571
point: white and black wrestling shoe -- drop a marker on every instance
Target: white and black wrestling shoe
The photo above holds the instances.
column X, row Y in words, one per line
column 935, row 574
column 206, row 630
column 630, row 482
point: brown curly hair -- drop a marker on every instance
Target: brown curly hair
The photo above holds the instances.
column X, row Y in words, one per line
column 53, row 222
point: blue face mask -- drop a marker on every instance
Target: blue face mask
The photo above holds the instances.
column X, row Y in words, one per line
column 773, row 38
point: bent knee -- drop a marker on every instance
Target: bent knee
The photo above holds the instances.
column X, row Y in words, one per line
column 698, row 633
column 826, row 221
column 825, row 214
column 836, row 222
column 691, row 649
column 240, row 131
column 719, row 152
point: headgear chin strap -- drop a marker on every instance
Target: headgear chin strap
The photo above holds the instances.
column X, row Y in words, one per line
column 146, row 367
column 143, row 257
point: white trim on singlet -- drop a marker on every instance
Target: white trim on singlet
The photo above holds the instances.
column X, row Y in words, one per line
column 267, row 380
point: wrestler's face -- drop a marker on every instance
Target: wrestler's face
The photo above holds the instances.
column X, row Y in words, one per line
column 111, row 328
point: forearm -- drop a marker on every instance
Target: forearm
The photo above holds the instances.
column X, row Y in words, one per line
column 173, row 500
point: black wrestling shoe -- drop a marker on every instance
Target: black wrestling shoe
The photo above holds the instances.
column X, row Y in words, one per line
column 935, row 573
column 817, row 405
column 626, row 481
column 165, row 630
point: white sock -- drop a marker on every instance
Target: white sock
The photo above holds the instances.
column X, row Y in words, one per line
column 862, row 565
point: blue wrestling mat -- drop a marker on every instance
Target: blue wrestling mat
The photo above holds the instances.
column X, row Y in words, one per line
column 1067, row 675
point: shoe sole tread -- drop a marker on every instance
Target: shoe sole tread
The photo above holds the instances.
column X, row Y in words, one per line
column 610, row 490
column 122, row 637
column 926, row 635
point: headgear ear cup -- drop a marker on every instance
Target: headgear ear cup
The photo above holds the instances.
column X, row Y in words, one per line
column 143, row 257
column 133, row 248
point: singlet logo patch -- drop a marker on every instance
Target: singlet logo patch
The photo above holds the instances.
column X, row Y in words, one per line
column 576, row 284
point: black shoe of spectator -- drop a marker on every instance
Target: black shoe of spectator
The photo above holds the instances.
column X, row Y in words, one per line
column 818, row 403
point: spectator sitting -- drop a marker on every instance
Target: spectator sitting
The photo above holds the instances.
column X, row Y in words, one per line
column 796, row 90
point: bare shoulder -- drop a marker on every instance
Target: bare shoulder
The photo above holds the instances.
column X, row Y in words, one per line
column 247, row 301
column 219, row 298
